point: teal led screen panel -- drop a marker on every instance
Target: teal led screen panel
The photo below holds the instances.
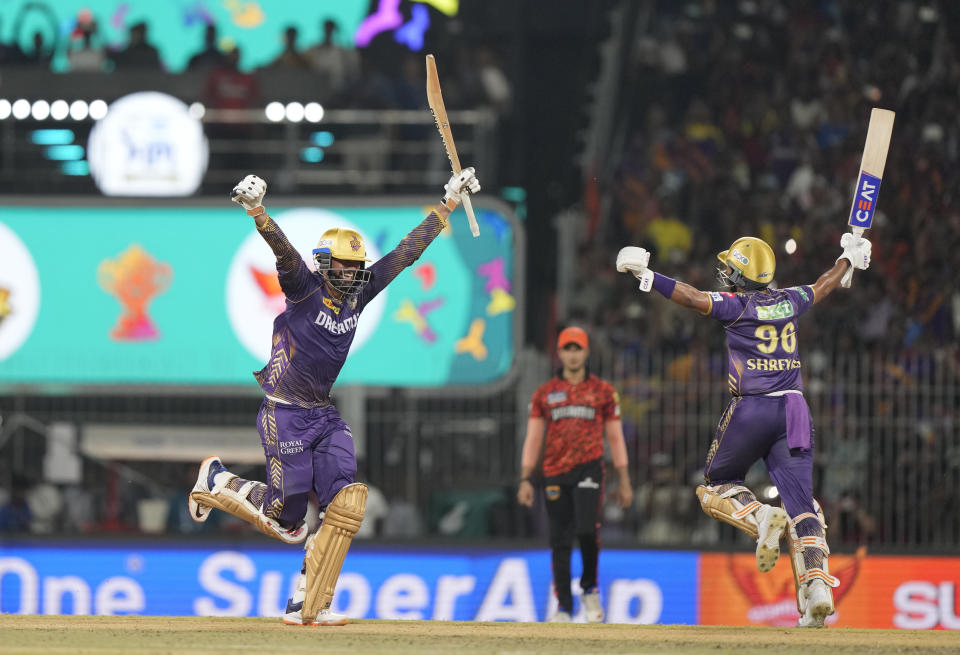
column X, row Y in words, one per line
column 186, row 295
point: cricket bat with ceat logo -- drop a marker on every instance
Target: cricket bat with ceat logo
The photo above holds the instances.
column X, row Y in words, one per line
column 871, row 170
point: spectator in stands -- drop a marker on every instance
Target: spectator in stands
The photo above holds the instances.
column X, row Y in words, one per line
column 334, row 63
column 84, row 56
column 290, row 58
column 211, row 56
column 227, row 87
column 10, row 52
column 40, row 56
column 139, row 54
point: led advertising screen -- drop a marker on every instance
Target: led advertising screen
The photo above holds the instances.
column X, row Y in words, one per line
column 376, row 582
column 187, row 294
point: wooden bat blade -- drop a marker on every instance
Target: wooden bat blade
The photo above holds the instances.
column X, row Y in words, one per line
column 439, row 110
column 871, row 169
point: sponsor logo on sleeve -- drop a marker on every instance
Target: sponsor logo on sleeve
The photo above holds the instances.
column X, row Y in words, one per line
column 716, row 296
column 556, row 397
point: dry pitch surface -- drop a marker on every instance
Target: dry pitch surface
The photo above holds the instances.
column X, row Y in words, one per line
column 207, row 636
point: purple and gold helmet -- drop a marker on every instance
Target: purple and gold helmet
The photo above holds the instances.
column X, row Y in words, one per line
column 752, row 262
column 346, row 246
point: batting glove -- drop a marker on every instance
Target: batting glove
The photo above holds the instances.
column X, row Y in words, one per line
column 856, row 250
column 459, row 183
column 249, row 192
column 634, row 260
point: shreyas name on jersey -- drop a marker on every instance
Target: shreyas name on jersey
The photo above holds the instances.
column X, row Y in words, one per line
column 772, row 364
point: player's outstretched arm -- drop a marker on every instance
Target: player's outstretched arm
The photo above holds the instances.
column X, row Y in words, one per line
column 412, row 246
column 856, row 255
column 635, row 260
column 295, row 280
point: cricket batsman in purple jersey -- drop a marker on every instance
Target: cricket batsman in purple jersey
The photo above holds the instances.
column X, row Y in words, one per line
column 307, row 445
column 768, row 416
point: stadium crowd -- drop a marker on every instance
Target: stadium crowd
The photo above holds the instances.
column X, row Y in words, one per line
column 749, row 118
column 741, row 118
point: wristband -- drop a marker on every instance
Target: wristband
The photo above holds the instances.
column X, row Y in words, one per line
column 664, row 284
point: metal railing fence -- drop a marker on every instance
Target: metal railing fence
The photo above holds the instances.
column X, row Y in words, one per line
column 887, row 466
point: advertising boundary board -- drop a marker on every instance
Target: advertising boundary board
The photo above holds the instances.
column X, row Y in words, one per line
column 376, row 582
column 464, row 583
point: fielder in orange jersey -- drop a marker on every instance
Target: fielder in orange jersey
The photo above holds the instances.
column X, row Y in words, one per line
column 575, row 409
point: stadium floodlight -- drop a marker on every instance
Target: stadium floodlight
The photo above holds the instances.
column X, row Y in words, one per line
column 40, row 110
column 294, row 112
column 78, row 110
column 98, row 109
column 275, row 111
column 59, row 109
column 4, row 109
column 197, row 110
column 313, row 112
column 21, row 109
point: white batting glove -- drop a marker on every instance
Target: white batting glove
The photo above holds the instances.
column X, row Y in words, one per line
column 634, row 260
column 856, row 250
column 249, row 192
column 459, row 183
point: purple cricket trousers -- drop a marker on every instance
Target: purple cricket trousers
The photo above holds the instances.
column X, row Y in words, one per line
column 756, row 427
column 305, row 449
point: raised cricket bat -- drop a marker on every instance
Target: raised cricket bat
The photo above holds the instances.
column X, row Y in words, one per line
column 871, row 171
column 435, row 100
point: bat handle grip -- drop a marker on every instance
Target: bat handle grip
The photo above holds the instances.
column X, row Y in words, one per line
column 468, row 207
column 848, row 278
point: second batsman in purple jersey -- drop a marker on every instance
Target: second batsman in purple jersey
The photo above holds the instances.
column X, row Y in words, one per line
column 767, row 417
column 307, row 445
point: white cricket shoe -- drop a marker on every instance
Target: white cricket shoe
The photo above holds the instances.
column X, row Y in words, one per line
column 324, row 617
column 771, row 523
column 819, row 605
column 198, row 512
column 593, row 610
column 560, row 617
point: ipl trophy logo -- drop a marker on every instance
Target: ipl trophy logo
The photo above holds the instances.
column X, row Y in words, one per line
column 134, row 278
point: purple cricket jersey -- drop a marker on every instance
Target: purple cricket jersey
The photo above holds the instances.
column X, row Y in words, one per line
column 312, row 336
column 762, row 337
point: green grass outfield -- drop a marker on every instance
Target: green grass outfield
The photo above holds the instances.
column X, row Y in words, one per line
column 78, row 635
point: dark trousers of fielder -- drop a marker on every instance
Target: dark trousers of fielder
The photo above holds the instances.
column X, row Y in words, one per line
column 574, row 500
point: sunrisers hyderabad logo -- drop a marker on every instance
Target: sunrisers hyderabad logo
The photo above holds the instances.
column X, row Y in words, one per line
column 766, row 598
column 253, row 294
column 135, row 277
